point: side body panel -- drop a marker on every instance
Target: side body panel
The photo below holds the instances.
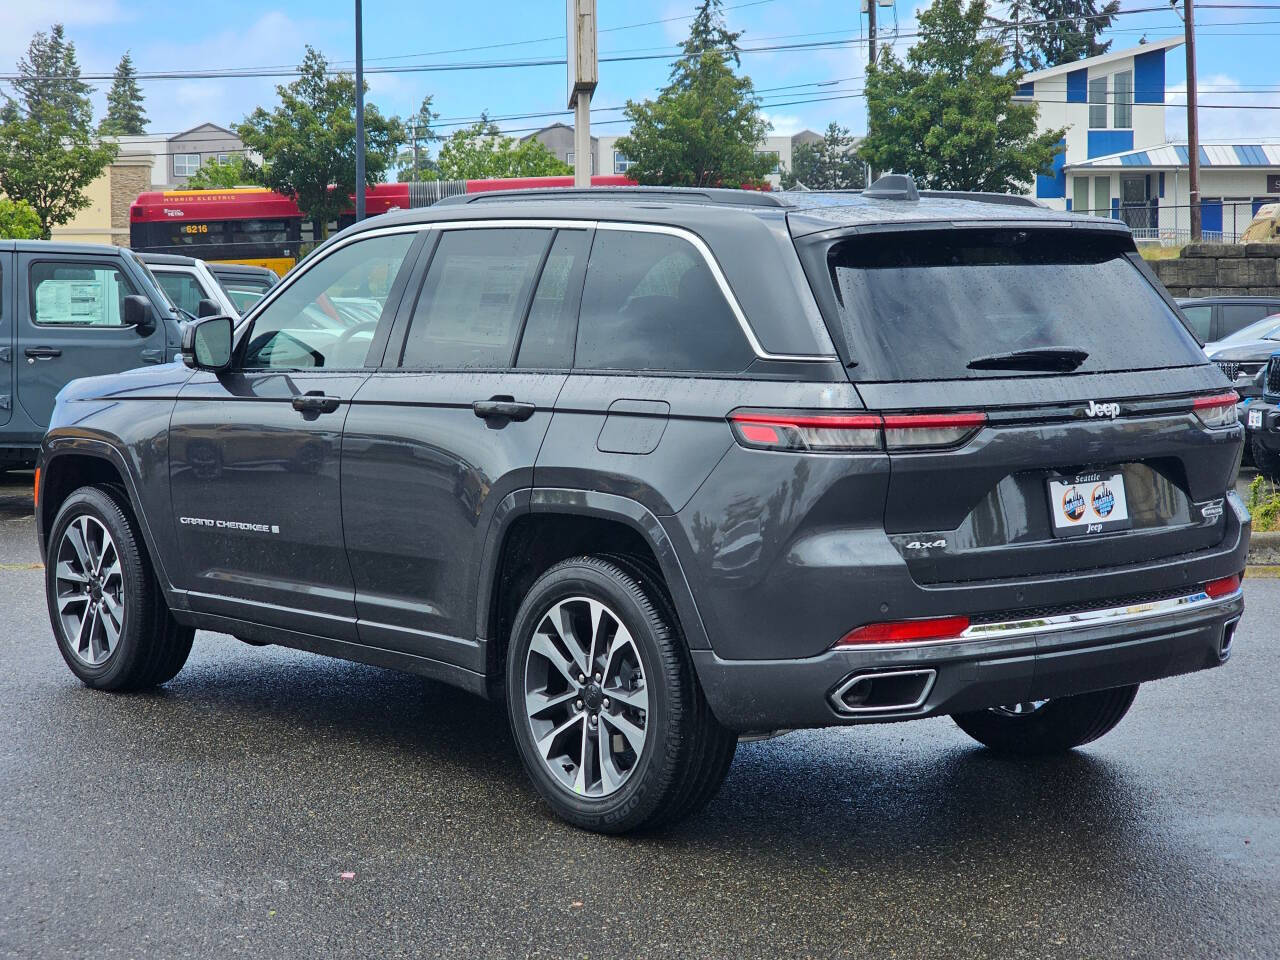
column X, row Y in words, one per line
column 8, row 337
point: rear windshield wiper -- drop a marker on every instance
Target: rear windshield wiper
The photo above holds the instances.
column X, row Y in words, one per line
column 1053, row 359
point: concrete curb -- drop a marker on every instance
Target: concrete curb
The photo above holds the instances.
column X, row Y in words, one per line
column 1264, row 549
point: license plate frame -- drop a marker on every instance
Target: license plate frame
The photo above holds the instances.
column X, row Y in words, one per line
column 1088, row 504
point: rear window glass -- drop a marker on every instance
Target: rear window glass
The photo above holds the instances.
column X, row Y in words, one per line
column 924, row 305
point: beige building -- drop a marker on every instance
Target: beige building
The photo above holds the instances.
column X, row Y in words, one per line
column 106, row 218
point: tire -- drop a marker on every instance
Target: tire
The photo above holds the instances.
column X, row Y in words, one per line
column 683, row 753
column 95, row 528
column 1051, row 726
column 1268, row 463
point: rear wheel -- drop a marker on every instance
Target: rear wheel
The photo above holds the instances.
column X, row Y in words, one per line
column 1268, row 463
column 1039, row 727
column 604, row 705
column 112, row 625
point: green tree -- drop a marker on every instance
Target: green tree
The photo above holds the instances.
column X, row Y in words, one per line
column 1046, row 33
column 236, row 171
column 308, row 142
column 17, row 220
column 125, row 115
column 48, row 155
column 947, row 114
column 481, row 151
column 705, row 125
column 413, row 163
column 830, row 164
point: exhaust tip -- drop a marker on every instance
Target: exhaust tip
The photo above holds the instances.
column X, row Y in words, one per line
column 1228, row 636
column 892, row 691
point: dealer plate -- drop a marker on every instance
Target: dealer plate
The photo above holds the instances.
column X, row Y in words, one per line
column 1088, row 503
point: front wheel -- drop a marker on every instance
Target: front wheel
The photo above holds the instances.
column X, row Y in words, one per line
column 606, row 711
column 108, row 615
column 1040, row 727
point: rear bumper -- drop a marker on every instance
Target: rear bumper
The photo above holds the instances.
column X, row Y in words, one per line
column 1028, row 663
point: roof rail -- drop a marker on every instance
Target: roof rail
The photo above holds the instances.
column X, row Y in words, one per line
column 1012, row 199
column 717, row 195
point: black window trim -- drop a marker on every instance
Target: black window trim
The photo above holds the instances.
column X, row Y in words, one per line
column 90, row 260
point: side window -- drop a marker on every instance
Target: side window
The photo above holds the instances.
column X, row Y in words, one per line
column 84, row 294
column 473, row 298
column 553, row 316
column 327, row 316
column 244, row 294
column 182, row 288
column 651, row 303
column 1200, row 319
column 1237, row 316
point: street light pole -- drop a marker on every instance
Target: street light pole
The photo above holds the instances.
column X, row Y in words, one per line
column 359, row 114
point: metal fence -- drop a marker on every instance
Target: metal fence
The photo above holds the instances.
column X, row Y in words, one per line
column 1222, row 221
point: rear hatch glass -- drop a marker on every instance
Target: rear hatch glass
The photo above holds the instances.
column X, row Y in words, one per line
column 966, row 303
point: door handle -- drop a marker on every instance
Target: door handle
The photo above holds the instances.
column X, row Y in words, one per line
column 503, row 408
column 42, row 353
column 315, row 403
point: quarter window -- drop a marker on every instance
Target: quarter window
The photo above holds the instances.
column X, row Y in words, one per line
column 83, row 294
column 651, row 303
column 473, row 298
column 327, row 316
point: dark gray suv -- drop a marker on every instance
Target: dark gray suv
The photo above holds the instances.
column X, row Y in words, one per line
column 664, row 468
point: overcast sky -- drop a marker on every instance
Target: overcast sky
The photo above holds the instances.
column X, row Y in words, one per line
column 1237, row 55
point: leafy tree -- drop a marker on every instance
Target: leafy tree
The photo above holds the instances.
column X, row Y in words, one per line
column 236, row 171
column 47, row 152
column 413, row 162
column 125, row 115
column 705, row 125
column 1046, row 33
column 17, row 220
column 308, row 142
column 830, row 164
column 947, row 114
column 481, row 151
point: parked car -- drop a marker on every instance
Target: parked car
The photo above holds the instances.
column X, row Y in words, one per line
column 243, row 283
column 189, row 285
column 67, row 311
column 1263, row 418
column 1216, row 318
column 1243, row 354
column 662, row 468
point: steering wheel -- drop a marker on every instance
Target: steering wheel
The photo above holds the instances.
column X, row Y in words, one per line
column 345, row 337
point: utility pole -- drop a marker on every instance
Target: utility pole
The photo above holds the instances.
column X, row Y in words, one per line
column 359, row 114
column 1193, row 124
column 871, row 59
column 583, row 75
column 413, row 129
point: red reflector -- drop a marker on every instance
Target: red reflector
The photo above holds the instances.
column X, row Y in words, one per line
column 906, row 631
column 1217, row 400
column 35, row 491
column 1224, row 587
column 760, row 433
column 933, row 421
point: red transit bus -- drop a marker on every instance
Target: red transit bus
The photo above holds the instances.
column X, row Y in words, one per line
column 257, row 226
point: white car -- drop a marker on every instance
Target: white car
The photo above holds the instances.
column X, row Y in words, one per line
column 187, row 281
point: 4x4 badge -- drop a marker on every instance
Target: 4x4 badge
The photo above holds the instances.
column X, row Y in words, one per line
column 926, row 544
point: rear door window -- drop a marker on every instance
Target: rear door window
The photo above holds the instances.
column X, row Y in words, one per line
column 473, row 299
column 925, row 305
column 651, row 303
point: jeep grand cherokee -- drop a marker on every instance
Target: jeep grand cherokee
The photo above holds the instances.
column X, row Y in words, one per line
column 663, row 468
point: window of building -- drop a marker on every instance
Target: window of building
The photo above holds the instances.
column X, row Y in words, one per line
column 326, row 318
column 1080, row 194
column 224, row 158
column 185, row 164
column 571, row 155
column 1098, row 103
column 83, row 294
column 651, row 303
column 620, row 162
column 473, row 298
column 1122, row 87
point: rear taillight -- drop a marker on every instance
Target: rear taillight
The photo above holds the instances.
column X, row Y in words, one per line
column 1218, row 410
column 781, row 430
column 1224, row 587
column 906, row 631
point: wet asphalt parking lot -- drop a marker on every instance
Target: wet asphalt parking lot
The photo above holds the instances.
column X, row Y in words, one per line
column 270, row 803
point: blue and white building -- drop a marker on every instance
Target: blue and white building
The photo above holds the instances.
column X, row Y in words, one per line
column 1117, row 161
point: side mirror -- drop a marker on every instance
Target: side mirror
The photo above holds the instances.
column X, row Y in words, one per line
column 206, row 344
column 208, row 308
column 137, row 314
